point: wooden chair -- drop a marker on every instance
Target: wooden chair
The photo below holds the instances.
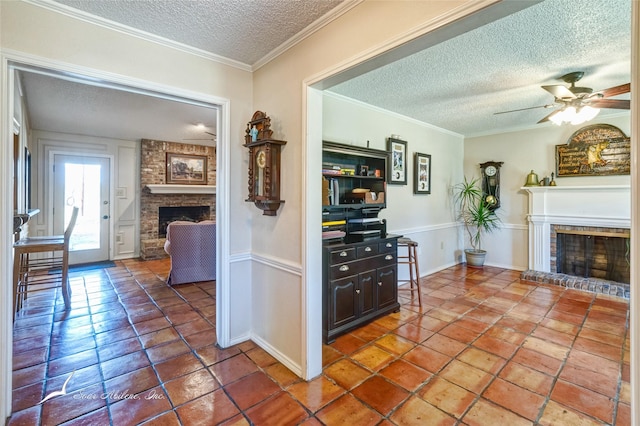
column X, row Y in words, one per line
column 41, row 263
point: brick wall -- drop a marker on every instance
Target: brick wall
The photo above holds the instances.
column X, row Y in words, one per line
column 153, row 171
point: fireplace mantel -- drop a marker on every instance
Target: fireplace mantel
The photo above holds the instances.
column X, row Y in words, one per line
column 606, row 206
column 182, row 189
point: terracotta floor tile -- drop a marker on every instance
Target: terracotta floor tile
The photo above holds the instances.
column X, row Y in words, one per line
column 30, row 358
column 123, row 347
column 151, row 325
column 282, row 375
column 316, row 393
column 190, row 386
column 170, row 418
column 29, row 375
column 380, row 394
column 445, row 345
column 537, row 361
column 561, row 326
column 97, row 417
column 484, row 413
column 521, row 401
column 547, row 348
column 430, row 323
column 593, row 362
column 369, row 332
column 527, row 378
column 373, row 357
column 134, row 382
column 583, row 400
column 213, row 354
column 593, row 380
column 495, row 346
column 215, row 407
column 556, row 414
column 261, row 357
column 427, row 358
column 27, row 396
column 159, row 337
column 251, row 390
column 329, row 355
column 623, row 416
column 80, row 378
column 395, row 344
column 65, row 348
column 450, row 398
column 348, row 411
column 464, row 375
column 554, row 336
column 348, row 344
column 483, row 360
column 516, row 324
column 233, row 368
column 417, row 412
column 278, row 410
column 167, row 351
column 405, row 374
column 194, row 327
column 347, row 373
column 147, row 405
column 124, row 364
column 179, row 366
column 461, row 334
column 413, row 333
column 72, row 362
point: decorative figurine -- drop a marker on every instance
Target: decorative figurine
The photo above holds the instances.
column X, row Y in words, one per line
column 254, row 133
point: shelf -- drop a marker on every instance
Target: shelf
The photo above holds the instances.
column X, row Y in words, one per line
column 182, row 189
column 329, row 175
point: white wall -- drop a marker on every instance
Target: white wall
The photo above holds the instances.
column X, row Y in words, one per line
column 425, row 218
column 521, row 152
column 125, row 176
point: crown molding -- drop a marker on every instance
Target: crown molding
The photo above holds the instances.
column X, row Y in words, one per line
column 124, row 29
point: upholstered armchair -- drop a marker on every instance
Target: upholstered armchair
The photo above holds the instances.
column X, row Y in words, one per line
column 192, row 248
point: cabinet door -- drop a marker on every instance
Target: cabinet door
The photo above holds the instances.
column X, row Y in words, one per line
column 387, row 286
column 368, row 291
column 343, row 301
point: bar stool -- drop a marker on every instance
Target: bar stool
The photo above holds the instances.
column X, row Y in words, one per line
column 37, row 271
column 410, row 259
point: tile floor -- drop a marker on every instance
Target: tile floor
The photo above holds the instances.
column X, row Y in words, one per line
column 485, row 349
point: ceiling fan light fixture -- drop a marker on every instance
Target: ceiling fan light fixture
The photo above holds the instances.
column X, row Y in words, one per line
column 574, row 116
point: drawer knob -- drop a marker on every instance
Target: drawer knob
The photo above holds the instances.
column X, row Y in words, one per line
column 344, row 268
column 358, row 291
column 389, row 245
column 380, row 284
column 388, row 257
column 343, row 254
column 367, row 249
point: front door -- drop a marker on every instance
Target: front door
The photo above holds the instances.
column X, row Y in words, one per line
column 83, row 181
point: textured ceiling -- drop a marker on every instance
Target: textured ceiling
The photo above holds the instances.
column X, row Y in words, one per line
column 242, row 30
column 456, row 85
column 459, row 84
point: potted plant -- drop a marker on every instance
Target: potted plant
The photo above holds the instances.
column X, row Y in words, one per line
column 476, row 216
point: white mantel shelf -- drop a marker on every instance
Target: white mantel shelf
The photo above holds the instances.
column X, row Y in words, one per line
column 182, row 189
column 536, row 188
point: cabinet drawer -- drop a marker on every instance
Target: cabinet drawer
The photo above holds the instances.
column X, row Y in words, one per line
column 368, row 250
column 388, row 246
column 387, row 259
column 344, row 269
column 342, row 255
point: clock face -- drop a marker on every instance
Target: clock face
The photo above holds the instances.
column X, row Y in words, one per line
column 261, row 159
column 490, row 171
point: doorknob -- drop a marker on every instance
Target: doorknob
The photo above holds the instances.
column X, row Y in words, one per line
column 105, row 217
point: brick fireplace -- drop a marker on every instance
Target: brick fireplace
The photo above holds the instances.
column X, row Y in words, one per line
column 153, row 175
column 578, row 237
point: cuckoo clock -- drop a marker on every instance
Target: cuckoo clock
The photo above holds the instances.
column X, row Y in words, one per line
column 491, row 183
column 264, row 164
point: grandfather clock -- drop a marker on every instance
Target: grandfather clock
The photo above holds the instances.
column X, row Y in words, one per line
column 264, row 164
column 491, row 183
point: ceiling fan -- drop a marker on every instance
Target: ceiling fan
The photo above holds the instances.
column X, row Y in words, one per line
column 579, row 104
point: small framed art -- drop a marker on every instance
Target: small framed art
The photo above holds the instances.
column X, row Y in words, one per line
column 186, row 169
column 421, row 173
column 398, row 161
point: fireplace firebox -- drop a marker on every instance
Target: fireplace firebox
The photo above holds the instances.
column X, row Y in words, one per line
column 167, row 215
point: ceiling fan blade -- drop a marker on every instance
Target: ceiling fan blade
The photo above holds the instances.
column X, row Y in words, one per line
column 617, row 90
column 560, row 92
column 546, row 118
column 611, row 103
column 523, row 109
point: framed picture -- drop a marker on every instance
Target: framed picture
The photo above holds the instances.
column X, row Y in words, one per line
column 421, row 173
column 398, row 162
column 186, row 169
